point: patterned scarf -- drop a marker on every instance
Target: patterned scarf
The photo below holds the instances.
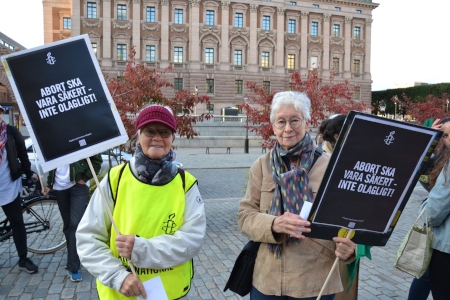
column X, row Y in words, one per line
column 3, row 138
column 155, row 171
column 292, row 186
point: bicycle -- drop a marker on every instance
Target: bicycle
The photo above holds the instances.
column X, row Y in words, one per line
column 43, row 222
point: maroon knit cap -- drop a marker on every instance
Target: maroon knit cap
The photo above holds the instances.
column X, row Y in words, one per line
column 156, row 114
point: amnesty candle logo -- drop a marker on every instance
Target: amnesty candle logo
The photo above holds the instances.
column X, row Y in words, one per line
column 169, row 225
column 50, row 59
column 390, row 138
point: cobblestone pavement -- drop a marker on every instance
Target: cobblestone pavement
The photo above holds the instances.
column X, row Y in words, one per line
column 222, row 179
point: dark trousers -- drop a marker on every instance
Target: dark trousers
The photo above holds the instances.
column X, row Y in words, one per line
column 420, row 288
column 257, row 295
column 439, row 275
column 13, row 212
column 72, row 203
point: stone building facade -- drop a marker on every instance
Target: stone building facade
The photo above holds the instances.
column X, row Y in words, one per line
column 215, row 47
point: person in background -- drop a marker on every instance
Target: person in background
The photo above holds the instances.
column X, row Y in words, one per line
column 71, row 186
column 330, row 129
column 13, row 163
column 158, row 210
column 287, row 265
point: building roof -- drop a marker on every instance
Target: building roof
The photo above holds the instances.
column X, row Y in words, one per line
column 8, row 43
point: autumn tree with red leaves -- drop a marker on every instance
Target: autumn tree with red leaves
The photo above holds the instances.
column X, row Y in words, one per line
column 432, row 107
column 140, row 85
column 326, row 99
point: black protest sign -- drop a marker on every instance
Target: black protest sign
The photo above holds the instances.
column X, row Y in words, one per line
column 372, row 172
column 64, row 99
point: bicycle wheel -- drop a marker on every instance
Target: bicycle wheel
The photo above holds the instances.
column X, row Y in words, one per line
column 44, row 226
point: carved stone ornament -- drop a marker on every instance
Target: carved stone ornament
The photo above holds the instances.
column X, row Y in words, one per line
column 62, row 37
column 264, row 34
column 253, row 7
column 150, row 28
column 280, row 10
column 291, row 37
column 348, row 20
column 358, row 44
column 178, row 28
column 164, row 2
column 304, row 14
column 337, row 41
column 124, row 26
column 194, row 3
column 225, row 5
column 210, row 29
column 315, row 40
column 237, row 32
column 137, row 1
column 326, row 18
column 95, row 24
column 369, row 22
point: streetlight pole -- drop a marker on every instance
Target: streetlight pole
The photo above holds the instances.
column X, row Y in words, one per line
column 246, row 130
column 395, row 110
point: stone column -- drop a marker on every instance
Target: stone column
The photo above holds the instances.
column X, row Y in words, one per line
column 280, row 60
column 165, row 49
column 326, row 47
column 252, row 54
column 225, row 48
column 194, row 39
column 76, row 18
column 304, row 41
column 367, row 48
column 136, row 25
column 107, row 42
column 347, row 48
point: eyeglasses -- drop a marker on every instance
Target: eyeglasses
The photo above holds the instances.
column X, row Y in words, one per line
column 151, row 132
column 294, row 123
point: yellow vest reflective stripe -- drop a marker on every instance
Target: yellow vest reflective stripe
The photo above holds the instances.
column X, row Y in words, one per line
column 147, row 217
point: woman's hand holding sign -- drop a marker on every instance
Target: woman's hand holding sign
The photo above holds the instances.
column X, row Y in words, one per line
column 290, row 224
column 345, row 248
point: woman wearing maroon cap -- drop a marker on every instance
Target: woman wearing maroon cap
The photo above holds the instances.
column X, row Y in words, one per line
column 158, row 210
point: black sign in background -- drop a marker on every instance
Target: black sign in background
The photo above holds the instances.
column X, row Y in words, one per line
column 373, row 217
column 94, row 122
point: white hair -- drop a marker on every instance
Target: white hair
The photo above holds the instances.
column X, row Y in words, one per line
column 300, row 101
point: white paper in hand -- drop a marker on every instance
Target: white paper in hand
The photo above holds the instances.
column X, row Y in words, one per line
column 304, row 213
column 155, row 289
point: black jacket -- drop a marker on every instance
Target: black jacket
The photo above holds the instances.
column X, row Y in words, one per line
column 17, row 154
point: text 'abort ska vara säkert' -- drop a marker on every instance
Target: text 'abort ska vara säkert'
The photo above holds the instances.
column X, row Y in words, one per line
column 63, row 96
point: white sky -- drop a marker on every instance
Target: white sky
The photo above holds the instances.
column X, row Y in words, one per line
column 409, row 38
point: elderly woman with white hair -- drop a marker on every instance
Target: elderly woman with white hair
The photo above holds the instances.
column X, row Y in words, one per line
column 158, row 210
column 289, row 265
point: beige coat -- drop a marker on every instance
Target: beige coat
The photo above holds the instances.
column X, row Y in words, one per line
column 301, row 270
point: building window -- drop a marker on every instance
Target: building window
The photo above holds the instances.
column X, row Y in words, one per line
column 67, row 23
column 209, row 86
column 357, row 93
column 266, row 87
column 315, row 5
column 336, row 30
column 336, row 64
column 178, row 84
column 121, row 52
column 178, row 55
column 291, row 61
column 92, row 10
column 291, row 26
column 266, row 23
column 356, row 66
column 238, row 57
column 210, row 108
column 238, row 20
column 337, row 8
column 293, row 3
column 94, row 47
column 178, row 16
column 238, row 87
column 265, row 59
column 315, row 28
column 357, row 33
column 209, row 56
column 210, row 17
column 358, row 11
column 150, row 14
column 150, row 53
column 121, row 12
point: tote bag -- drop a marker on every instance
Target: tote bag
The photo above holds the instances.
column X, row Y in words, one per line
column 414, row 254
